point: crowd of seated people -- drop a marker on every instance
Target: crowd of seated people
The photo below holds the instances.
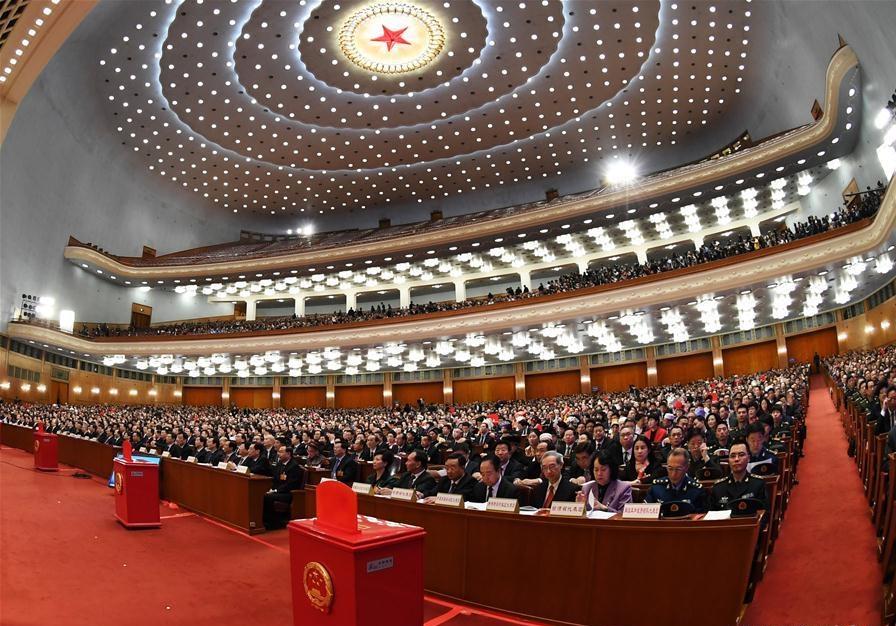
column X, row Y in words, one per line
column 554, row 446
column 868, row 379
column 864, row 206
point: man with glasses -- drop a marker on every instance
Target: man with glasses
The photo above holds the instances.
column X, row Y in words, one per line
column 553, row 487
column 740, row 483
column 678, row 486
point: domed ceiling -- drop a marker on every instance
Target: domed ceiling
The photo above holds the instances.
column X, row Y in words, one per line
column 300, row 108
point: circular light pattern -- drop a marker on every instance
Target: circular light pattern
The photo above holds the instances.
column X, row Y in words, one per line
column 392, row 38
column 255, row 107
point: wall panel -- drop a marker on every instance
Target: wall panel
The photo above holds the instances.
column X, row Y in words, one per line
column 302, row 397
column 251, row 397
column 358, row 396
column 202, row 396
column 619, row 377
column 408, row 393
column 750, row 359
column 553, row 384
column 802, row 348
column 484, row 390
column 685, row 368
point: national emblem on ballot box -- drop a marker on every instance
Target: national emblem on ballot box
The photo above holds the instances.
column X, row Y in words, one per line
column 318, row 586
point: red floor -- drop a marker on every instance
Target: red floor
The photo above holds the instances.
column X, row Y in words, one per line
column 824, row 569
column 64, row 560
column 78, row 566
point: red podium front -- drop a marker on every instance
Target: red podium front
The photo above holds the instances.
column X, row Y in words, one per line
column 46, row 457
column 341, row 576
column 136, row 494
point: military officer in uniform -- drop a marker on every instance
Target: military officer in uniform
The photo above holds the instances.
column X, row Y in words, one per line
column 740, row 483
column 678, row 486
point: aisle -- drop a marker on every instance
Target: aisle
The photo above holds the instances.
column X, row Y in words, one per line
column 824, row 569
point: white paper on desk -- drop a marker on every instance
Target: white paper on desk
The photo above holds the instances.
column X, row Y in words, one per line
column 712, row 516
column 600, row 514
column 528, row 510
column 475, row 506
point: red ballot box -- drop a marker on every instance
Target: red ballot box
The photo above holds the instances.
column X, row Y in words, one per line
column 342, row 572
column 46, row 457
column 136, row 494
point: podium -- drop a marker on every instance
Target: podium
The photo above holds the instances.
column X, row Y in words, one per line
column 343, row 565
column 136, row 493
column 46, row 456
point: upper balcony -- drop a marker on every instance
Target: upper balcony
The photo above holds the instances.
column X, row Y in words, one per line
column 783, row 156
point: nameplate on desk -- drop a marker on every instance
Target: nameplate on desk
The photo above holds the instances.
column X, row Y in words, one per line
column 364, row 489
column 503, row 505
column 191, row 459
column 406, row 495
column 380, row 564
column 222, row 465
column 567, row 509
column 242, row 469
column 143, row 449
column 450, row 499
column 166, row 454
column 641, row 511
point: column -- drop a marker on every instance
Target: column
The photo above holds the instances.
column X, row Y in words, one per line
column 250, row 310
column 460, row 290
column 179, row 390
column 275, row 392
column 698, row 241
column 519, row 376
column 641, row 253
column 387, row 389
column 754, row 229
column 225, row 385
column 404, row 297
column 299, row 303
column 651, row 366
column 447, row 387
column 781, row 340
column 351, row 300
column 526, row 279
column 583, row 265
column 331, row 391
column 585, row 373
column 718, row 364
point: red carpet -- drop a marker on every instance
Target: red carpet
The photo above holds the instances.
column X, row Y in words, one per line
column 65, row 561
column 824, row 569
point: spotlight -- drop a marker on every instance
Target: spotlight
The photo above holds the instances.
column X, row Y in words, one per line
column 621, row 173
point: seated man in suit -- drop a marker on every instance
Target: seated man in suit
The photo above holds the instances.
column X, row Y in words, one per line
column 258, row 460
column 215, row 455
column 416, row 477
column 181, row 449
column 492, row 484
column 509, row 469
column 229, row 451
column 678, row 486
column 343, row 467
column 288, row 476
column 580, row 472
column 315, row 459
column 457, row 480
column 553, row 485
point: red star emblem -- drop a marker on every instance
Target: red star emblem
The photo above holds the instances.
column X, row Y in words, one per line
column 392, row 37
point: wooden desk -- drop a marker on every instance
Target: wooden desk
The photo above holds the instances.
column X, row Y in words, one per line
column 86, row 454
column 575, row 571
column 234, row 499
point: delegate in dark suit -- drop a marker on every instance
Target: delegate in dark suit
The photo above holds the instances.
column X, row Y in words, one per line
column 463, row 486
column 287, row 477
column 344, row 469
column 501, row 489
column 563, row 492
column 423, row 482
